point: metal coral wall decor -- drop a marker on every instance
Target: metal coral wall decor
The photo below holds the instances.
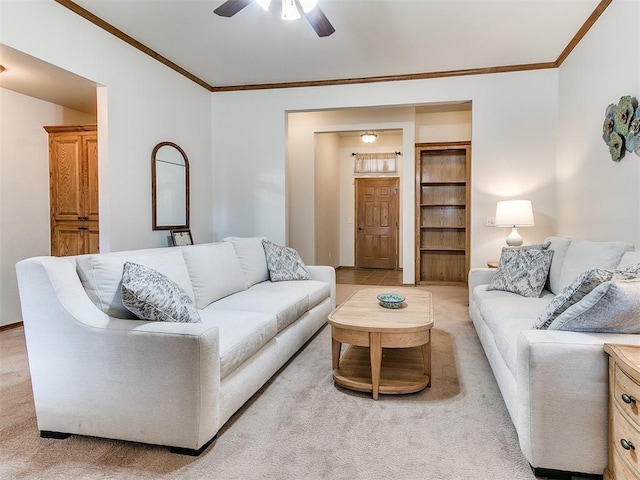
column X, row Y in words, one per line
column 621, row 128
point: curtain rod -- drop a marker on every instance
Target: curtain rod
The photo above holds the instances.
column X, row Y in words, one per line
column 354, row 154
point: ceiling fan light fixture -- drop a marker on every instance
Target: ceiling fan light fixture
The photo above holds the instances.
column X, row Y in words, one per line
column 264, row 4
column 289, row 10
column 369, row 137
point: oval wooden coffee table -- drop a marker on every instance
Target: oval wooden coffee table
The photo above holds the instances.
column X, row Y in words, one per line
column 389, row 349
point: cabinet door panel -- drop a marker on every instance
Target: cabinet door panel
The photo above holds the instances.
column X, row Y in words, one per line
column 90, row 144
column 66, row 176
column 67, row 239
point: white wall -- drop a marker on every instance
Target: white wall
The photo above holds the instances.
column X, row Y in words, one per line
column 599, row 199
column 327, row 199
column 141, row 103
column 513, row 151
column 24, row 186
column 443, row 127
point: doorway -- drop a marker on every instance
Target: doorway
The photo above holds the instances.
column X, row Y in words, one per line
column 376, row 227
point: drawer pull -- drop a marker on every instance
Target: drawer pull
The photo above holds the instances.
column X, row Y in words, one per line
column 627, row 444
column 628, row 398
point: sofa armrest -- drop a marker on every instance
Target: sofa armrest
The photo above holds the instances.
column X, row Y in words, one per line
column 479, row 276
column 562, row 380
column 113, row 378
column 326, row 274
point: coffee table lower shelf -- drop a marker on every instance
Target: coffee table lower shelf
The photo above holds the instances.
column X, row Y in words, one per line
column 402, row 370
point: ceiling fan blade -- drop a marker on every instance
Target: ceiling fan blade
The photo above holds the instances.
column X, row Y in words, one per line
column 231, row 7
column 318, row 21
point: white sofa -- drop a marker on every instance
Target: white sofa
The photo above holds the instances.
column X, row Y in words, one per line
column 554, row 383
column 98, row 371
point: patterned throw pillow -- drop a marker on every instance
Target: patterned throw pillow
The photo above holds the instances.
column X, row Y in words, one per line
column 284, row 263
column 150, row 295
column 522, row 270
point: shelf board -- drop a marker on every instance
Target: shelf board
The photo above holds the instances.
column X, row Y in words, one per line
column 441, row 249
column 440, row 227
column 442, row 183
column 458, row 205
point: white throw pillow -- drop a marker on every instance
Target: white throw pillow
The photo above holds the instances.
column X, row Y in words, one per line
column 611, row 307
column 284, row 263
column 559, row 245
column 215, row 271
column 150, row 295
column 251, row 256
column 101, row 275
column 629, row 259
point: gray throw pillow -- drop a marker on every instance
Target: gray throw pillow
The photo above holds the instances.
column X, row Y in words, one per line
column 579, row 288
column 611, row 307
column 284, row 263
column 522, row 270
column 150, row 295
column 571, row 295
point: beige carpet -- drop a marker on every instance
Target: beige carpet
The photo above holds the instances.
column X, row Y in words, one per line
column 300, row 426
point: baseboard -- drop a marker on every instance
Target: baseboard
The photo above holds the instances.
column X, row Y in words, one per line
column 11, row 326
column 561, row 474
column 192, row 452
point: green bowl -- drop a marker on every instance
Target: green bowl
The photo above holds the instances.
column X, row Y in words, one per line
column 390, row 300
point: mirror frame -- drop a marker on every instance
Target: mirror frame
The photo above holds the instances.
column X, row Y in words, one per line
column 154, row 205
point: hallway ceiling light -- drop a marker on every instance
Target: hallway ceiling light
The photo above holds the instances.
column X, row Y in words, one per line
column 369, row 137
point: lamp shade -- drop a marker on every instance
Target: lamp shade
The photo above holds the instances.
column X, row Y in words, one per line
column 514, row 213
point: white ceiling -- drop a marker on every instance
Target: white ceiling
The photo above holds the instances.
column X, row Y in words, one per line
column 372, row 38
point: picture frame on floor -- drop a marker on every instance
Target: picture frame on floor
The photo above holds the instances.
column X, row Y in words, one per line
column 181, row 238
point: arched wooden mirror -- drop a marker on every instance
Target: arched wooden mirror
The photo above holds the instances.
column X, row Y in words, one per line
column 170, row 187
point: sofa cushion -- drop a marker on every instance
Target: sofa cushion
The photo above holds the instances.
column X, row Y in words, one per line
column 611, row 307
column 559, row 245
column 152, row 296
column 629, row 259
column 506, row 316
column 522, row 270
column 101, row 275
column 242, row 334
column 215, row 271
column 285, row 304
column 315, row 290
column 284, row 263
column 251, row 255
column 584, row 255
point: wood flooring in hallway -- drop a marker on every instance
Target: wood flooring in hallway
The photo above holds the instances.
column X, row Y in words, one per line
column 368, row 276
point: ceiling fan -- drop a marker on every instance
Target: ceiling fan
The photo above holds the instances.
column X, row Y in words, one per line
column 290, row 11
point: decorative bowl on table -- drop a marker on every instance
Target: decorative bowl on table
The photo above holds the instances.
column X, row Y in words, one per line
column 390, row 300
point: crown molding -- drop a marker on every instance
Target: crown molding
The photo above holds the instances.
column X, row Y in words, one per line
column 600, row 8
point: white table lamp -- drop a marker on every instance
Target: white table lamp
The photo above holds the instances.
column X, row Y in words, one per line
column 514, row 213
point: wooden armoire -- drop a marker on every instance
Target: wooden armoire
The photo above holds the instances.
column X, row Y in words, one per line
column 73, row 185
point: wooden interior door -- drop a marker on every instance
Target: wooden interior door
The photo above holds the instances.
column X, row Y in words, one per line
column 73, row 183
column 377, row 206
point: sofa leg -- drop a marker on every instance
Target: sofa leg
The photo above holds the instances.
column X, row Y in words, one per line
column 56, row 435
column 561, row 474
column 192, row 452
